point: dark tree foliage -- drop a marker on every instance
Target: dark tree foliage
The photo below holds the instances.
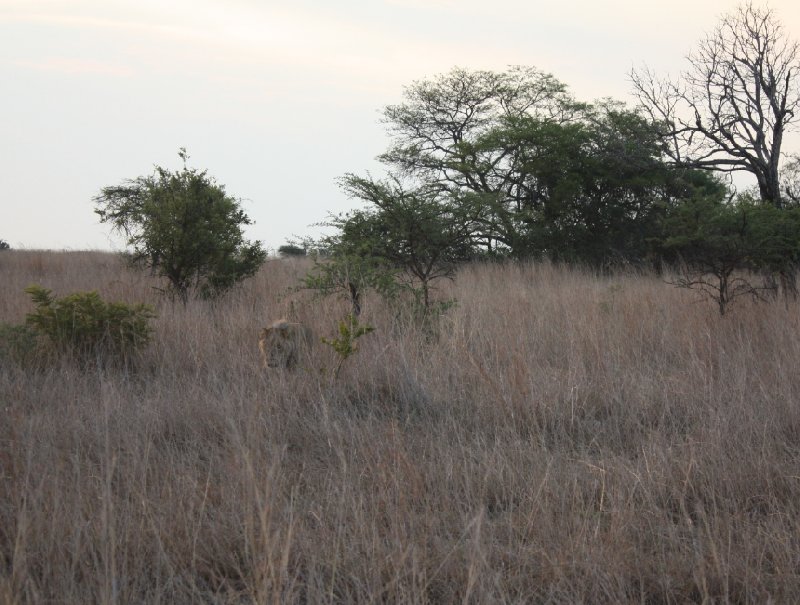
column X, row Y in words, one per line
column 444, row 133
column 722, row 248
column 509, row 164
column 403, row 241
column 4, row 245
column 185, row 228
column 592, row 189
column 532, row 171
column 729, row 111
column 413, row 231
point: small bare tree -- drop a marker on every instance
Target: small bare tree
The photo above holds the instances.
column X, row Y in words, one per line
column 730, row 110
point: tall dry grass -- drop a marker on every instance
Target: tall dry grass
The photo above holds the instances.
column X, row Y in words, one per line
column 562, row 437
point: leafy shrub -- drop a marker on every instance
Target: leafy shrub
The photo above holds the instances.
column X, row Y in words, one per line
column 84, row 325
column 184, row 227
column 350, row 276
column 4, row 245
column 19, row 344
column 344, row 345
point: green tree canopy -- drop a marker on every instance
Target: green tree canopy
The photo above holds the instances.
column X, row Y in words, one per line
column 412, row 230
column 723, row 248
column 184, row 227
column 533, row 171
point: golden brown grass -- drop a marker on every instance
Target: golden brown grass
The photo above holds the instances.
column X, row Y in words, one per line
column 562, row 438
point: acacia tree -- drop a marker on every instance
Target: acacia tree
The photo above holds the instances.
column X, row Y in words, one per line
column 532, row 171
column 442, row 136
column 729, row 111
column 412, row 230
column 184, row 227
column 591, row 188
column 720, row 246
column 403, row 241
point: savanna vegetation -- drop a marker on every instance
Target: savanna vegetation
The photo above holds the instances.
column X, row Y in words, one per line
column 562, row 436
column 507, row 401
column 487, row 165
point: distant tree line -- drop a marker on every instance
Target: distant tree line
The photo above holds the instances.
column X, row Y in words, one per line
column 509, row 164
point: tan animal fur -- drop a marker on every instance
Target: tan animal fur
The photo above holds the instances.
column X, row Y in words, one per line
column 283, row 342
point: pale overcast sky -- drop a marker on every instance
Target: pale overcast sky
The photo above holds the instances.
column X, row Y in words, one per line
column 275, row 99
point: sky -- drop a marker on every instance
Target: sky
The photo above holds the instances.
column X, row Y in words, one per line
column 275, row 99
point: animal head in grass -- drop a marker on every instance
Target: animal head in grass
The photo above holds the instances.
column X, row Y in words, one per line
column 283, row 343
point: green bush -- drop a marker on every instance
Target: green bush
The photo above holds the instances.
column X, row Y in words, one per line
column 84, row 325
column 19, row 344
column 184, row 227
column 724, row 249
column 350, row 330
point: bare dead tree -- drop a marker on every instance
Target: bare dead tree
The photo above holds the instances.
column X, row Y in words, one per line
column 730, row 110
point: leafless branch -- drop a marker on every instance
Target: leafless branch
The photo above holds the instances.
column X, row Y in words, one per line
column 729, row 111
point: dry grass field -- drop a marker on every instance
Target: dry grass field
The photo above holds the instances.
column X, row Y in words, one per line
column 560, row 438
